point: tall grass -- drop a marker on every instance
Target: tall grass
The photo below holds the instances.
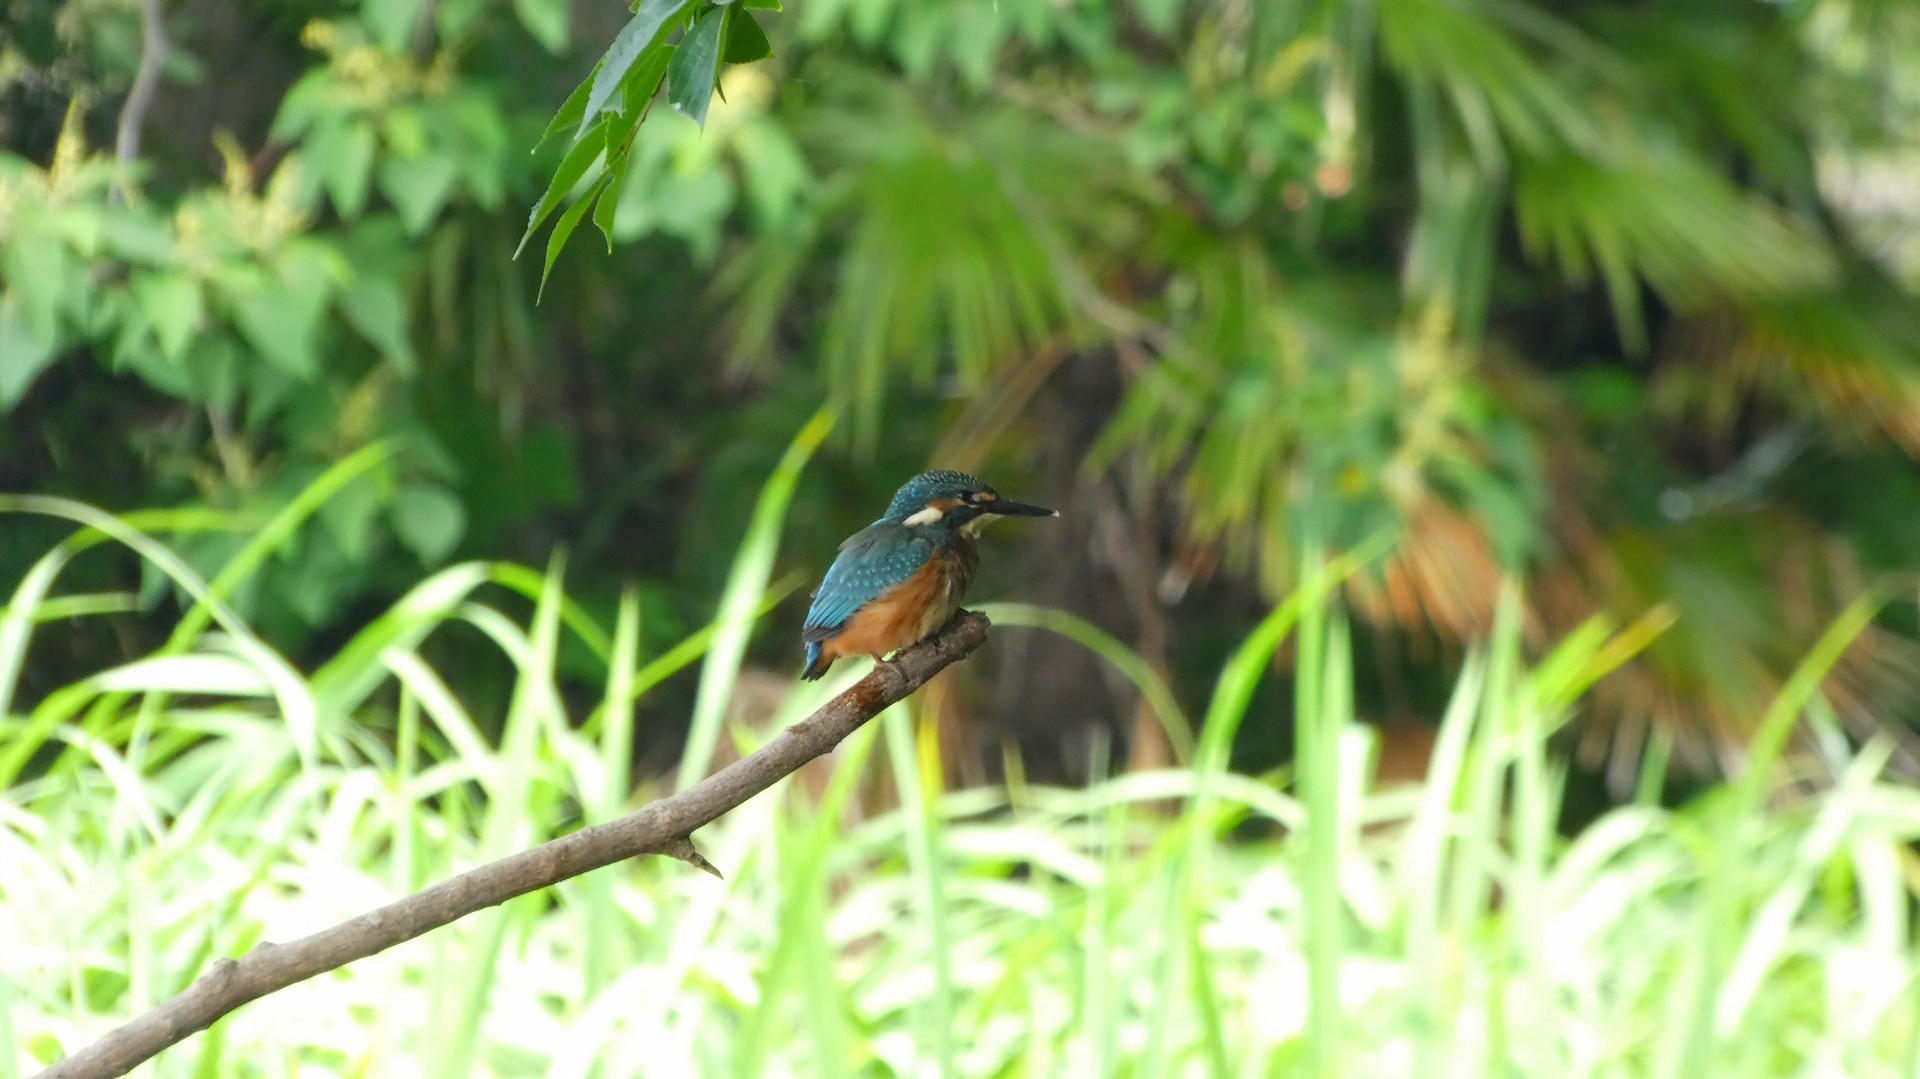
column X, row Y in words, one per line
column 187, row 805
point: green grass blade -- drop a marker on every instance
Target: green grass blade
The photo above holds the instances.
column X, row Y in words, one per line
column 1651, row 784
column 54, row 710
column 616, row 731
column 1233, row 691
column 746, row 585
column 510, row 815
column 1322, row 694
column 345, row 681
column 22, row 612
column 616, row 763
column 1770, row 737
column 802, row 952
column 9, row 1041
column 531, row 584
column 61, row 608
column 681, row 655
column 925, row 864
column 273, row 536
column 406, row 809
column 1734, row 816
column 1173, row 720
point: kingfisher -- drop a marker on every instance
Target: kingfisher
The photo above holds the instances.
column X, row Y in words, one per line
column 901, row 577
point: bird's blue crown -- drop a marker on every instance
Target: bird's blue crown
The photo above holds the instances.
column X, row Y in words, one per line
column 916, row 493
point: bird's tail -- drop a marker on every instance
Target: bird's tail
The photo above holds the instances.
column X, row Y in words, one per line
column 817, row 662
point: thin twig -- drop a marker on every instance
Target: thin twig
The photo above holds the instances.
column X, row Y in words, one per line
column 146, row 80
column 661, row 827
column 422, row 34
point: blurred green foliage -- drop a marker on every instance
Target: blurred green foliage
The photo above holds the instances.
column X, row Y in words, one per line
column 1608, row 295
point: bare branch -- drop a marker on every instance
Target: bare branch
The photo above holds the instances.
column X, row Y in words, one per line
column 146, row 79
column 661, row 827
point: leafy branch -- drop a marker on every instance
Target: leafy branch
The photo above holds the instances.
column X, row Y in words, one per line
column 605, row 111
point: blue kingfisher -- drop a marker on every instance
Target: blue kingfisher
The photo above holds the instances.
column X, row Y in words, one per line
column 900, row 578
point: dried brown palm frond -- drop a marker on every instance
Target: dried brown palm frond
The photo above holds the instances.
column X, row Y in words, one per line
column 1738, row 629
column 1442, row 576
column 1850, row 363
column 1750, row 588
column 1739, row 632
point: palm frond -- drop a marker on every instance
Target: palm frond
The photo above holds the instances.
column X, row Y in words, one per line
column 1848, row 361
column 1661, row 216
column 1512, row 73
column 942, row 265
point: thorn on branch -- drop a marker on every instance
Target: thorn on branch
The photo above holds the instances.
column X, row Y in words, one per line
column 682, row 848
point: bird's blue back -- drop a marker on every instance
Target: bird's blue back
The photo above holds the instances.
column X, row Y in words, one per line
column 873, row 560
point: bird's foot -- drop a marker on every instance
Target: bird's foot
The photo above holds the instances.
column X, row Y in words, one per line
column 892, row 665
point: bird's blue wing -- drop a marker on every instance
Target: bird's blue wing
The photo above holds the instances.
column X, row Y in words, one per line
column 874, row 560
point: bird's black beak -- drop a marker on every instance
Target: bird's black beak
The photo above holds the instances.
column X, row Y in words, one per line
column 1020, row 509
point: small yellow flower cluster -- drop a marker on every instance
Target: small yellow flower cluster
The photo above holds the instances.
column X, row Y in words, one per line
column 204, row 226
column 371, row 77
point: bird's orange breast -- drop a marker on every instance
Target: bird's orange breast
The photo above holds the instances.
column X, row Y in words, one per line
column 906, row 613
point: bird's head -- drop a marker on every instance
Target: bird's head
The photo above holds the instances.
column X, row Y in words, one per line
column 954, row 500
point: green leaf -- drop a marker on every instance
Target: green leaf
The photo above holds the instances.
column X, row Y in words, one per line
column 208, row 674
column 746, row 42
column 280, row 314
column 348, row 518
column 696, row 64
column 774, row 170
column 405, row 128
column 1160, row 16
column 571, row 111
column 390, row 21
column 429, row 520
column 608, row 207
column 137, row 239
column 564, row 228
column 417, row 187
column 265, row 314
column 343, row 156
column 173, row 305
column 763, row 5
column 635, row 101
column 36, row 269
column 747, row 583
column 309, row 99
column 572, row 167
column 546, row 20
column 375, row 308
column 1666, row 217
column 641, row 34
column 24, row 353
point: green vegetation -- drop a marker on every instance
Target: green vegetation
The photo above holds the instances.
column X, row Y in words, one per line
column 1165, row 922
column 1544, row 376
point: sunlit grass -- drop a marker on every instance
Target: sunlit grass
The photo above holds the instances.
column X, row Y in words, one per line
column 188, row 805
